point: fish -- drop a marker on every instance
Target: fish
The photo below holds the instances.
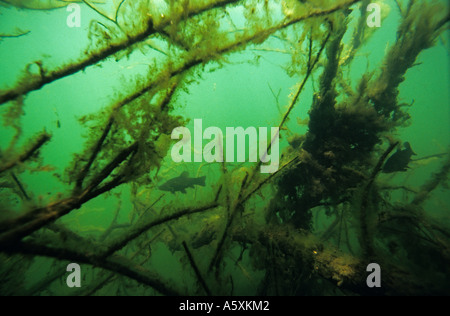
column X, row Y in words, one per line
column 399, row 161
column 181, row 183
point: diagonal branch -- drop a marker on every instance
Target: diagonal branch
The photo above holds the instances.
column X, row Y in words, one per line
column 27, row 154
column 311, row 66
column 366, row 241
column 99, row 55
column 196, row 269
column 15, row 229
column 115, row 263
column 124, row 239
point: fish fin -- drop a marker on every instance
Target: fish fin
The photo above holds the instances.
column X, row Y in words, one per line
column 408, row 147
column 184, row 174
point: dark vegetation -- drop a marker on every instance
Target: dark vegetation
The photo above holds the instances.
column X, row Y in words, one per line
column 333, row 167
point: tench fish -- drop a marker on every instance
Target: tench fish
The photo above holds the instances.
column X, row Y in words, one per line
column 181, row 183
column 400, row 160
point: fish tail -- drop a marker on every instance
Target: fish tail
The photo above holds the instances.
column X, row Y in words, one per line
column 201, row 181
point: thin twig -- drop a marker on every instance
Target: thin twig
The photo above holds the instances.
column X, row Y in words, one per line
column 27, row 154
column 194, row 266
column 95, row 152
column 138, row 230
column 102, row 14
column 432, row 184
column 365, row 237
column 14, row 35
column 115, row 263
column 20, row 186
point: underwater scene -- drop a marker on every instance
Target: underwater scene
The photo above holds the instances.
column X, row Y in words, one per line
column 224, row 147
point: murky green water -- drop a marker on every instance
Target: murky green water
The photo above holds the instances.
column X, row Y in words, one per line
column 87, row 170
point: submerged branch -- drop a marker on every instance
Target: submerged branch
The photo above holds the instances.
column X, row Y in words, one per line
column 432, row 184
column 107, row 129
column 105, row 279
column 311, row 67
column 19, row 34
column 20, row 186
column 366, row 241
column 198, row 60
column 27, row 154
column 112, row 49
column 279, row 248
column 108, row 169
column 115, row 263
column 99, row 55
column 94, row 154
column 345, row 271
column 103, row 255
column 15, row 229
column 144, row 226
column 194, row 266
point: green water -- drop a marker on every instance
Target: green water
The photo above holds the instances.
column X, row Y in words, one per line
column 310, row 228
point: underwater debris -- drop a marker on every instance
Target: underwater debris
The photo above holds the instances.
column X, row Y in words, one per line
column 18, row 33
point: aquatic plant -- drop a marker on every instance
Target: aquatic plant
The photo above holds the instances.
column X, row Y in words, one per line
column 250, row 228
